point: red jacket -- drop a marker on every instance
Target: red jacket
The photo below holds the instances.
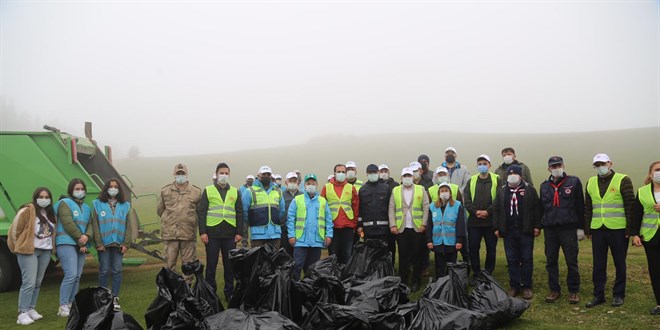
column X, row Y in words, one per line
column 342, row 220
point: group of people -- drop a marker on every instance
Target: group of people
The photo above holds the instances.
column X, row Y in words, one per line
column 69, row 228
column 446, row 211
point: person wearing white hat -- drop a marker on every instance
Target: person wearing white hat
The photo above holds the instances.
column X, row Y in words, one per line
column 408, row 213
column 249, row 180
column 609, row 206
column 344, row 206
column 292, row 189
column 458, row 174
column 351, row 175
column 277, row 178
column 446, row 229
column 384, row 176
column 263, row 208
column 441, row 175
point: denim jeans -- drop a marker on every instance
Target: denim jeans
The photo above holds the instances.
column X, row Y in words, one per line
column 72, row 262
column 519, row 248
column 33, row 266
column 110, row 260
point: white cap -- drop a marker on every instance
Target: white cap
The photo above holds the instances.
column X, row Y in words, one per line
column 444, row 184
column 601, row 158
column 484, row 156
column 277, row 176
column 451, row 149
column 406, row 170
column 415, row 166
column 265, row 169
column 441, row 169
column 351, row 163
column 291, row 175
column 330, row 177
column 383, row 167
column 250, row 177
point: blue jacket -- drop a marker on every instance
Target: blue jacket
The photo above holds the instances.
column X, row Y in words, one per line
column 568, row 209
column 269, row 231
column 311, row 237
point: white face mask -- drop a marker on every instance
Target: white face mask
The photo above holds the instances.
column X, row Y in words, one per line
column 292, row 187
column 384, row 176
column 350, row 175
column 407, row 181
column 43, row 202
column 113, row 191
column 508, row 159
column 78, row 194
column 222, row 178
column 180, row 179
column 656, row 177
column 444, row 196
column 557, row 172
column 442, row 179
column 602, row 170
column 416, row 175
column 373, row 177
column 310, row 189
column 340, row 177
column 513, row 179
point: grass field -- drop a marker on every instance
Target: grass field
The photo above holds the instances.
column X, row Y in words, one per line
column 138, row 289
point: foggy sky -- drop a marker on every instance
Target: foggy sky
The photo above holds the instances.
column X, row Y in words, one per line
column 182, row 78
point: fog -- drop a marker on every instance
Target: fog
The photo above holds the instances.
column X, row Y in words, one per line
column 185, row 78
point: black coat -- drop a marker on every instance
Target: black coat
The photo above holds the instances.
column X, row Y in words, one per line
column 570, row 212
column 531, row 210
column 374, row 205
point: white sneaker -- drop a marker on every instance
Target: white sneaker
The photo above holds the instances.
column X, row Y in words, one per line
column 63, row 311
column 34, row 315
column 115, row 301
column 24, row 319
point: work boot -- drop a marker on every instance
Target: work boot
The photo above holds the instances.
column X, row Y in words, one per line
column 595, row 302
column 574, row 298
column 527, row 294
column 552, row 297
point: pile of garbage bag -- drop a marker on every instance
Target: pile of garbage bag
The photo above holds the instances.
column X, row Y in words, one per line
column 93, row 308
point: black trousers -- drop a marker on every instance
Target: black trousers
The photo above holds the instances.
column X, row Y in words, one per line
column 614, row 240
column 411, row 251
column 214, row 248
column 391, row 243
column 441, row 260
column 566, row 238
column 342, row 244
column 284, row 241
column 652, row 249
column 476, row 234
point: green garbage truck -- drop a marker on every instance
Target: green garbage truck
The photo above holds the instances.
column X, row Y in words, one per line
column 51, row 158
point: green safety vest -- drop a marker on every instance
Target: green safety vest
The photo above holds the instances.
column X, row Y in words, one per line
column 608, row 210
column 301, row 215
column 493, row 187
column 335, row 202
column 417, row 209
column 220, row 210
column 433, row 191
column 651, row 217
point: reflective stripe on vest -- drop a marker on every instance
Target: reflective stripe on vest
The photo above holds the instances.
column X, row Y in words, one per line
column 263, row 200
column 301, row 216
column 80, row 216
column 444, row 224
column 335, row 202
column 608, row 210
column 417, row 208
column 651, row 217
column 433, row 191
column 221, row 210
column 112, row 224
column 493, row 185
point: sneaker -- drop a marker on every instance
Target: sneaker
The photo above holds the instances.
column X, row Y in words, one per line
column 527, row 294
column 115, row 301
column 24, row 319
column 34, row 315
column 552, row 297
column 64, row 311
column 574, row 298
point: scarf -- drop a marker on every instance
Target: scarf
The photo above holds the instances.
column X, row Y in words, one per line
column 555, row 199
column 514, row 199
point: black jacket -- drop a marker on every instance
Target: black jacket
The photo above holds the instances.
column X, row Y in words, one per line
column 531, row 210
column 390, row 182
column 482, row 200
column 374, row 205
column 569, row 212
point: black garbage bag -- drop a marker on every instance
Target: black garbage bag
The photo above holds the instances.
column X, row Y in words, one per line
column 384, row 292
column 332, row 316
column 387, row 321
column 408, row 311
column 491, row 299
column 279, row 294
column 209, row 302
column 435, row 315
column 237, row 319
column 174, row 307
column 327, row 266
column 93, row 308
column 452, row 288
column 370, row 260
column 327, row 289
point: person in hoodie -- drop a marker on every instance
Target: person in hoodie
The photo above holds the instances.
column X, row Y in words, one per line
column 344, row 204
column 309, row 222
column 263, row 208
column 458, row 174
column 509, row 158
column 292, row 190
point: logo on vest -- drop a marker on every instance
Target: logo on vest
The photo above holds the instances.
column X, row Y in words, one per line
column 102, row 213
column 75, row 213
column 435, row 214
column 567, row 191
column 613, row 190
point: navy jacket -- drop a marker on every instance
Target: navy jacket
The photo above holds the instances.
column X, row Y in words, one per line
column 568, row 210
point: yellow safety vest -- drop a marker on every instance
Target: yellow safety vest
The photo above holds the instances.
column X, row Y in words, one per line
column 301, row 215
column 433, row 191
column 493, row 187
column 221, row 210
column 608, row 210
column 335, row 202
column 358, row 184
column 417, row 205
column 651, row 217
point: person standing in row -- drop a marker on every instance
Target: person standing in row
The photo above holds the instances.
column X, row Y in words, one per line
column 292, row 190
column 220, row 221
column 263, row 208
column 408, row 214
column 72, row 239
column 426, row 176
column 441, row 175
column 446, row 234
column 249, row 181
column 517, row 213
column 351, row 175
column 458, row 174
column 31, row 237
column 344, row 206
column 509, row 158
column 479, row 196
column 177, row 209
column 112, row 218
column 563, row 209
column 309, row 223
column 374, row 200
column 384, row 176
column 609, row 205
column 646, row 219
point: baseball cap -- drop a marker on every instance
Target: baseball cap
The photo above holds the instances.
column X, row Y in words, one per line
column 451, row 149
column 291, row 175
column 441, row 169
column 483, row 156
column 554, row 160
column 277, row 176
column 180, row 167
column 265, row 169
column 414, row 166
column 406, row 170
column 383, row 167
column 351, row 163
column 444, row 184
column 310, row 176
column 249, row 177
column 601, row 158
column 372, row 168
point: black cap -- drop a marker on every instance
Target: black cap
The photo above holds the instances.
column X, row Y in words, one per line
column 372, row 168
column 514, row 169
column 554, row 160
column 423, row 156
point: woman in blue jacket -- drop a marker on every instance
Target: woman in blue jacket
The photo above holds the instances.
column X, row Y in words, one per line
column 447, row 220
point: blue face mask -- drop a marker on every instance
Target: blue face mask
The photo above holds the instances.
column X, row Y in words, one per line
column 483, row 169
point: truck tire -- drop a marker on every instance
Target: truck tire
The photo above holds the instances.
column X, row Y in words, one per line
column 9, row 271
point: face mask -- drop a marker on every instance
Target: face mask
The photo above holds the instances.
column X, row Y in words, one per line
column 279, row 182
column 444, row 196
column 450, row 159
column 513, row 179
column 373, row 177
column 350, row 175
column 223, row 178
column 113, row 191
column 384, row 176
column 656, row 177
column 425, row 165
column 265, row 181
column 443, row 179
column 557, row 172
column 180, row 179
column 292, row 187
column 78, row 194
column 340, row 177
column 483, row 169
column 416, row 175
column 43, row 202
column 407, row 182
column 602, row 170
column 508, row 159
column 310, row 189
column 435, row 180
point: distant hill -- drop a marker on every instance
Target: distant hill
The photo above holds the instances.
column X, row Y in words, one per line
column 631, row 150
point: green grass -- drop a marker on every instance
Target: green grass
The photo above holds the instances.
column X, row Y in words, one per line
column 139, row 288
